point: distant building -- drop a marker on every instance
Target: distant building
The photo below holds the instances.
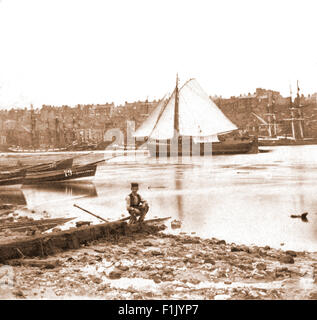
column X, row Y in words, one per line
column 57, row 126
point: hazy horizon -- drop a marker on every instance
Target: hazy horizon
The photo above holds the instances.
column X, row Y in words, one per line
column 88, row 52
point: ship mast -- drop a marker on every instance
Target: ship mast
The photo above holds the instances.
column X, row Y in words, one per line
column 176, row 111
column 57, row 138
column 32, row 127
column 298, row 116
column 299, row 113
column 273, row 114
column 272, row 126
column 269, row 115
column 292, row 113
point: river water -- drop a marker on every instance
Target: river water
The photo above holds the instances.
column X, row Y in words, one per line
column 241, row 198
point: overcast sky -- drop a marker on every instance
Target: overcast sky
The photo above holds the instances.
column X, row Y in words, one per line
column 89, row 51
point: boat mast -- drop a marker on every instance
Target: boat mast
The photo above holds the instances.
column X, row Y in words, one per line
column 299, row 113
column 292, row 114
column 57, row 140
column 269, row 115
column 274, row 117
column 32, row 127
column 176, row 110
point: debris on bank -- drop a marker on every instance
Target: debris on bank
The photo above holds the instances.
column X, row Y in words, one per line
column 41, row 245
column 146, row 265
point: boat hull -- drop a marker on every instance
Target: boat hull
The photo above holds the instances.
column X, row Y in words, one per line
column 287, row 142
column 11, row 186
column 12, row 179
column 55, row 165
column 163, row 149
column 76, row 172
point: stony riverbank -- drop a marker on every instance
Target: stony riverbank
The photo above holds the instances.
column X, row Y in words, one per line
column 164, row 266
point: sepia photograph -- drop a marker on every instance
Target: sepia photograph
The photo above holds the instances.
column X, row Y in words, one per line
column 158, row 150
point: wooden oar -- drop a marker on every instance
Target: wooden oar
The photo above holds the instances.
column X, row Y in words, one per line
column 75, row 205
column 123, row 219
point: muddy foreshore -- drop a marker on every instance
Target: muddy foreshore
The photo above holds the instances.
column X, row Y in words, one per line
column 165, row 266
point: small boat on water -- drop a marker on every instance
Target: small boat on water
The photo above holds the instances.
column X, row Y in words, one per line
column 189, row 123
column 61, row 175
column 13, row 178
column 21, row 150
column 55, row 165
column 47, row 166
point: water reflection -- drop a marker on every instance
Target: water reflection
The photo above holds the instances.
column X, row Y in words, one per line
column 12, row 196
column 179, row 197
column 58, row 198
column 79, row 188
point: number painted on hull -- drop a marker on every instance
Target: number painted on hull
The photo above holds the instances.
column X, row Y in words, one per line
column 68, row 172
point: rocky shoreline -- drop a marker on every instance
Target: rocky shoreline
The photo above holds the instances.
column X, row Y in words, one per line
column 164, row 266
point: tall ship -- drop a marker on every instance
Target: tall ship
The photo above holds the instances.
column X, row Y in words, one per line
column 189, row 123
column 296, row 120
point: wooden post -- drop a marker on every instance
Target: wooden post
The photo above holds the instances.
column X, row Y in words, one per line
column 157, row 148
column 202, row 146
column 168, row 149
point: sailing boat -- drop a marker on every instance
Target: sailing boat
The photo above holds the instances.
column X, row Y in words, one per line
column 297, row 127
column 188, row 123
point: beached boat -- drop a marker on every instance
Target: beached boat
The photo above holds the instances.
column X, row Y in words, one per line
column 55, row 165
column 188, row 123
column 27, row 224
column 42, row 167
column 60, row 175
column 13, row 178
column 48, row 244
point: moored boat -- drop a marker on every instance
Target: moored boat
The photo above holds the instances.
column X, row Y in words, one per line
column 211, row 148
column 13, row 178
column 55, row 165
column 297, row 124
column 60, row 175
column 21, row 150
column 286, row 141
column 188, row 123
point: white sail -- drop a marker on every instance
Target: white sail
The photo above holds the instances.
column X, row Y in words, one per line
column 198, row 117
column 198, row 114
column 147, row 126
column 164, row 128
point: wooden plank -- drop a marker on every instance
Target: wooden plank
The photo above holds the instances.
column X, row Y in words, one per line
column 47, row 263
column 34, row 223
column 47, row 244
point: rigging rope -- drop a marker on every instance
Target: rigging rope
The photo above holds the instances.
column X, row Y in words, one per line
column 161, row 112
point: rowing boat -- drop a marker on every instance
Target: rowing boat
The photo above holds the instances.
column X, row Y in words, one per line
column 43, row 224
column 13, row 178
column 61, row 175
column 55, row 165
